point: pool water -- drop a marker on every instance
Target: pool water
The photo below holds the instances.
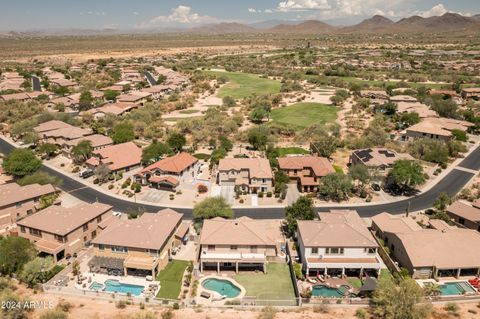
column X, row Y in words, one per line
column 455, row 288
column 324, row 291
column 112, row 285
column 223, row 287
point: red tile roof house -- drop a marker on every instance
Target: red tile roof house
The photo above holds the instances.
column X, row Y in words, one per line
column 59, row 231
column 97, row 141
column 465, row 214
column 250, row 175
column 168, row 173
column 17, row 201
column 120, row 157
column 306, row 170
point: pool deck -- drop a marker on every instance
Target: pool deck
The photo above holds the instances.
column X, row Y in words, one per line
column 443, row 281
column 215, row 296
column 131, row 280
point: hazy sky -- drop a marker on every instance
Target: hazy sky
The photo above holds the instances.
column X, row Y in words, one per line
column 138, row 14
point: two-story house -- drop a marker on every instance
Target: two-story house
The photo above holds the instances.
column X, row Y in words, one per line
column 251, row 175
column 169, row 172
column 306, row 170
column 17, row 201
column 339, row 244
column 239, row 244
column 139, row 246
column 59, row 231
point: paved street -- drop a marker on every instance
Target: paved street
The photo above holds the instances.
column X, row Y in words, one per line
column 452, row 183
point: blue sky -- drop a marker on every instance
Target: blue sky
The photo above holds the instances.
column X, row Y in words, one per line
column 143, row 14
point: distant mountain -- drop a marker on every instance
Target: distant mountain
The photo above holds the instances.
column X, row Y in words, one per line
column 223, row 28
column 376, row 23
column 476, row 17
column 272, row 23
column 446, row 22
column 307, row 27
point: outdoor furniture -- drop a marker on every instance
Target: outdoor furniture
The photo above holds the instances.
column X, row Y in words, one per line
column 149, row 278
column 205, row 295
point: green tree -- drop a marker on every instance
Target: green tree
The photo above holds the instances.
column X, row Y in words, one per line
column 325, row 145
column 154, row 151
column 47, row 149
column 335, row 186
column 21, row 162
column 122, row 133
column 399, row 301
column 225, row 143
column 258, row 137
column 360, row 173
column 212, row 207
column 258, row 114
column 60, row 90
column 442, row 202
column 102, row 172
column 176, row 141
column 161, row 79
column 216, row 156
column 410, row 118
column 82, row 151
column 36, row 271
column 110, row 95
column 14, row 253
column 229, row 101
column 302, row 209
column 406, row 174
column 86, row 101
column 459, row 135
column 41, row 178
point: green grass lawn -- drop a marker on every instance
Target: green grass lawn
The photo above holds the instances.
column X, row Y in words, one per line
column 302, row 115
column 274, row 285
column 284, row 151
column 171, row 279
column 355, row 282
column 242, row 85
column 188, row 111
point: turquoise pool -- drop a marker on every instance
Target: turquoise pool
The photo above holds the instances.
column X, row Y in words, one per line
column 456, row 288
column 330, row 292
column 112, row 285
column 223, row 287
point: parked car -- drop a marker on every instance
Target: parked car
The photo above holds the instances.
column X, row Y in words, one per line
column 86, row 173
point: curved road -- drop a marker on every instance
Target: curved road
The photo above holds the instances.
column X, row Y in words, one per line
column 452, row 183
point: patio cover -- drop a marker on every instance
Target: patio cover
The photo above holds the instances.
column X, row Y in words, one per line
column 106, row 262
column 369, row 285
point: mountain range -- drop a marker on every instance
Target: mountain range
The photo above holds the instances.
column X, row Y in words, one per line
column 376, row 24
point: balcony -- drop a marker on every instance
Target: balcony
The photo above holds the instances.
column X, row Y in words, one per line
column 213, row 256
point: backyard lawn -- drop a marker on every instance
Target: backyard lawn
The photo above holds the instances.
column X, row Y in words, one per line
column 302, row 115
column 242, row 85
column 274, row 285
column 171, row 279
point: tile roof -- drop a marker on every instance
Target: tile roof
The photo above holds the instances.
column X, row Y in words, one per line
column 149, row 231
column 241, row 231
column 97, row 140
column 464, row 210
column 61, row 220
column 320, row 165
column 13, row 193
column 119, row 156
column 173, row 164
column 339, row 228
column 258, row 167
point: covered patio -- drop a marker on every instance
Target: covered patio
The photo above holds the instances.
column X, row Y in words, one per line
column 107, row 265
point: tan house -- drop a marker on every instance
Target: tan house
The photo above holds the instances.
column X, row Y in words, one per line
column 440, row 251
column 120, row 157
column 139, row 246
column 380, row 159
column 465, row 214
column 138, row 97
column 306, row 170
column 240, row 244
column 60, row 133
column 338, row 244
column 117, row 109
column 59, row 231
column 435, row 128
column 471, row 93
column 169, row 172
column 250, row 175
column 17, row 201
column 97, row 141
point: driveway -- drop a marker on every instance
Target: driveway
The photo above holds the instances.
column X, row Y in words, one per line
column 292, row 193
column 155, row 195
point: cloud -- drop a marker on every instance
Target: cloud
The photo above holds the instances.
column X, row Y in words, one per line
column 252, row 10
column 303, row 5
column 438, row 10
column 180, row 15
column 268, row 10
column 93, row 13
column 135, row 13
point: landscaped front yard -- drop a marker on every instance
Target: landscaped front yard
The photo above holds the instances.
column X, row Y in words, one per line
column 242, row 85
column 276, row 284
column 284, row 151
column 171, row 279
column 302, row 115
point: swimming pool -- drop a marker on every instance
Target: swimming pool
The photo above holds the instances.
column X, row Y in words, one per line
column 112, row 285
column 330, row 292
column 223, row 287
column 456, row 288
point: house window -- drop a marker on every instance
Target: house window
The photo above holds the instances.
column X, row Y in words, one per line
column 18, row 205
column 29, row 212
column 461, row 221
column 94, row 234
column 314, row 250
column 119, row 249
column 59, row 238
column 253, row 248
column 35, row 232
column 99, row 219
column 334, row 251
column 370, row 250
column 211, row 247
column 85, row 227
column 233, row 247
column 264, row 180
column 153, row 252
column 22, row 229
column 101, row 247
